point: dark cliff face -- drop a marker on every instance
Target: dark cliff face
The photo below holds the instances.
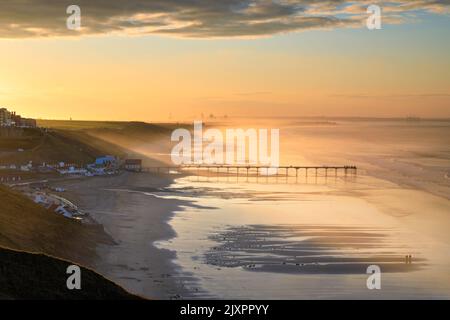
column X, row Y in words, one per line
column 36, row 276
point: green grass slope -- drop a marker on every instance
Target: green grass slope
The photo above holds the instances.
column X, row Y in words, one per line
column 53, row 146
column 127, row 139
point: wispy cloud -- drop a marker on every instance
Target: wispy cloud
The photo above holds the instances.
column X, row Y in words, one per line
column 393, row 96
column 198, row 18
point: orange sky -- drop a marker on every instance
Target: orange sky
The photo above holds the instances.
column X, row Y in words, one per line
column 402, row 70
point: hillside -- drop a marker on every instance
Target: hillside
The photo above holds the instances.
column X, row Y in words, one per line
column 136, row 139
column 26, row 226
column 52, row 146
column 79, row 124
column 87, row 125
column 136, row 131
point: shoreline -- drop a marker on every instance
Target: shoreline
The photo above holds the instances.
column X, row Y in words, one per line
column 134, row 262
column 152, row 271
column 233, row 243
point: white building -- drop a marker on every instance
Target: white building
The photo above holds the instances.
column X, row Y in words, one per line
column 5, row 117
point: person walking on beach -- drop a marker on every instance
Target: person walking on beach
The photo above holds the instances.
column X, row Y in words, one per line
column 408, row 259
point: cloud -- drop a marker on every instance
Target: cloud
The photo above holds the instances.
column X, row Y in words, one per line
column 198, row 18
column 393, row 96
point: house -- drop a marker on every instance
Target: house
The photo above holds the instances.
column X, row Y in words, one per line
column 133, row 165
column 11, row 119
column 27, row 123
column 105, row 161
column 16, row 120
column 74, row 171
column 5, row 117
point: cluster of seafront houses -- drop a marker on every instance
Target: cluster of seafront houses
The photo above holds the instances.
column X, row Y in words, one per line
column 38, row 193
column 11, row 119
column 104, row 165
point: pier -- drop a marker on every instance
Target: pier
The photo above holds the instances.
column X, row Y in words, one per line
column 255, row 170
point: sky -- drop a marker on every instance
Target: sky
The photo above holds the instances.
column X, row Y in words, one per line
column 177, row 59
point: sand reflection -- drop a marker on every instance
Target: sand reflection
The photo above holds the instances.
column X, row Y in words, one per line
column 310, row 249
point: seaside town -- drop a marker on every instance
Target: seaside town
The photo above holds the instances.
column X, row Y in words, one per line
column 12, row 174
column 11, row 119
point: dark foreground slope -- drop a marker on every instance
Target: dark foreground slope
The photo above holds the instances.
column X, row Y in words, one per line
column 27, row 228
column 36, row 276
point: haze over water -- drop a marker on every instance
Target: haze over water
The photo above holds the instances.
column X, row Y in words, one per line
column 315, row 237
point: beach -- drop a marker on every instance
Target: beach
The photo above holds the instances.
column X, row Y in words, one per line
column 314, row 241
column 134, row 218
column 311, row 237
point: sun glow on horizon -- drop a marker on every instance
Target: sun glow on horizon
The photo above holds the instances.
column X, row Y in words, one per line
column 401, row 70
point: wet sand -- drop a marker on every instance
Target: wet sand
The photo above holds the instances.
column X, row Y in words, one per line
column 239, row 240
column 311, row 240
column 310, row 249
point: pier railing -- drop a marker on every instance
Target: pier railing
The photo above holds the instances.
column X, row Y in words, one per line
column 254, row 170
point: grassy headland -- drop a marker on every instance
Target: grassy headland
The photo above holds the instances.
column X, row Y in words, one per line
column 80, row 142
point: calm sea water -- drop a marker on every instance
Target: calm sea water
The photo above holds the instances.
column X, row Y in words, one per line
column 315, row 237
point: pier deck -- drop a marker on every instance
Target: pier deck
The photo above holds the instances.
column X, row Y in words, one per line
column 255, row 169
